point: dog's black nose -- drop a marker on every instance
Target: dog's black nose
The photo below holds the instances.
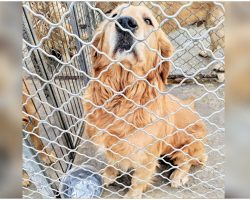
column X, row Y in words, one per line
column 127, row 23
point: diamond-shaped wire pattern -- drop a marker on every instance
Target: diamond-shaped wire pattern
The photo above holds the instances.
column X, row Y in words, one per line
column 57, row 72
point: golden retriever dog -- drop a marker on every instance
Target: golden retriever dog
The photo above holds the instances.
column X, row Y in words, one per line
column 127, row 114
column 198, row 13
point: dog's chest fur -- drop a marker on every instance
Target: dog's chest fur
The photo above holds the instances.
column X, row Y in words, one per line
column 119, row 106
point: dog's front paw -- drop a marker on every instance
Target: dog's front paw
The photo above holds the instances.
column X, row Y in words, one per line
column 109, row 176
column 107, row 181
column 133, row 194
column 178, row 178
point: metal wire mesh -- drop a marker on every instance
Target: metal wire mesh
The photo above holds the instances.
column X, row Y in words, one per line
column 57, row 42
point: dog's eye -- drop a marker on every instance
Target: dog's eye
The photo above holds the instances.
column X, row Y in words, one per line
column 109, row 11
column 148, row 21
column 114, row 15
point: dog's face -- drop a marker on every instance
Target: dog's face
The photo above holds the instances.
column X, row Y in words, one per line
column 134, row 38
column 137, row 22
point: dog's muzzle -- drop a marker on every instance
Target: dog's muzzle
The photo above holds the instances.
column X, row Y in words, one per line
column 124, row 39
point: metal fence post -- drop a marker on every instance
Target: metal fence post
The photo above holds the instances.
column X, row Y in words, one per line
column 75, row 27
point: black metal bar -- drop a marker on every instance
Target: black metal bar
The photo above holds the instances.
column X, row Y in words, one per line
column 75, row 26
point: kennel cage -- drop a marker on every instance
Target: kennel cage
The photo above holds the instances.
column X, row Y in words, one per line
column 57, row 39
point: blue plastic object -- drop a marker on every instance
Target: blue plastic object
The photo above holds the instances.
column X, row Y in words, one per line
column 81, row 182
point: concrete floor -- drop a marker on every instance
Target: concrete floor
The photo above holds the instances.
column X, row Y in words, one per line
column 206, row 182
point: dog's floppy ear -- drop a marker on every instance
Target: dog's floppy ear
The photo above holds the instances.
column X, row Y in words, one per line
column 97, row 58
column 166, row 50
column 97, row 43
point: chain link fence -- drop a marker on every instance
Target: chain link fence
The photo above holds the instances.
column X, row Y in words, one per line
column 57, row 70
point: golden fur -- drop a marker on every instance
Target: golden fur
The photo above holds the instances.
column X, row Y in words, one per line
column 127, row 126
